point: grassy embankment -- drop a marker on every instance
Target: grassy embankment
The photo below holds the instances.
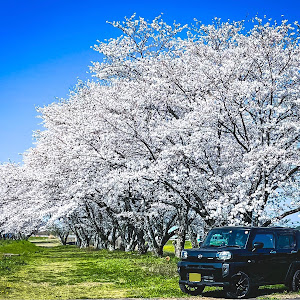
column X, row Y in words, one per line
column 66, row 272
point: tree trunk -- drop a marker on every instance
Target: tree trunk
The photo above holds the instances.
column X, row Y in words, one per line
column 63, row 238
column 181, row 231
column 141, row 243
column 193, row 239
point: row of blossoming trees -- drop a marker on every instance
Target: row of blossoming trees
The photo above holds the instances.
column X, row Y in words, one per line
column 182, row 129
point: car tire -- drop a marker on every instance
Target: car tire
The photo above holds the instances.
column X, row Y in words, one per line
column 295, row 284
column 191, row 290
column 240, row 286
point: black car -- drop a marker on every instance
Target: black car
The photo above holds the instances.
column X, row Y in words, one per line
column 240, row 259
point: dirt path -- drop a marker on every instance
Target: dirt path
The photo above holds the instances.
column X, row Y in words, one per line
column 216, row 297
column 46, row 243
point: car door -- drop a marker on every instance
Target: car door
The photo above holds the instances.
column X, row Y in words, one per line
column 262, row 260
column 286, row 253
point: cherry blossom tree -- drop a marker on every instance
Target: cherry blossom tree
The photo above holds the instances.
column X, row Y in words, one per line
column 181, row 130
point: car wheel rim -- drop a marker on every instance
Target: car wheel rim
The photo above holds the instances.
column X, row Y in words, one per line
column 241, row 285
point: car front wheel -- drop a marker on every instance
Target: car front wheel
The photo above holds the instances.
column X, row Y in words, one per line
column 240, row 286
column 191, row 290
column 296, row 281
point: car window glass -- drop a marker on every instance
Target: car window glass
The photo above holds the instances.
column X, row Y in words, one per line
column 226, row 237
column 241, row 238
column 286, row 241
column 266, row 238
column 218, row 239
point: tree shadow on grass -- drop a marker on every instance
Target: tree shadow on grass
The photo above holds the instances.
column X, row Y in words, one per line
column 213, row 293
column 279, row 290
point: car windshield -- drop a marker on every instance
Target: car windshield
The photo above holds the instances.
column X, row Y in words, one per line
column 226, row 237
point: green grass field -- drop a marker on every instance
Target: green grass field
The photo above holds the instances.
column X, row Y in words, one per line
column 66, row 272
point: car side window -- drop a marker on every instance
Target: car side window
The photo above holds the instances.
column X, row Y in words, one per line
column 286, row 241
column 266, row 238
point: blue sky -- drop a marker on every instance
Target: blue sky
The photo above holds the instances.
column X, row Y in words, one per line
column 45, row 47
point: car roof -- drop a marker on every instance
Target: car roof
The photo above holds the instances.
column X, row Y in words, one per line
column 255, row 228
column 233, row 227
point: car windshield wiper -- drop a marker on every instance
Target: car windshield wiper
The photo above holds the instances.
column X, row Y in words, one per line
column 233, row 246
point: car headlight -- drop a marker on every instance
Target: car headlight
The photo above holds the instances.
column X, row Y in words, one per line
column 224, row 255
column 184, row 254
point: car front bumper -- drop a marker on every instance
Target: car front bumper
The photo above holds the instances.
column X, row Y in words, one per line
column 204, row 283
column 212, row 274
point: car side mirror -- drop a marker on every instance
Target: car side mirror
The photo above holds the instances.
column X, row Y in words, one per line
column 258, row 245
column 200, row 244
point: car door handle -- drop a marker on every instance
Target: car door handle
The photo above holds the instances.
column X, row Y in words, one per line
column 272, row 252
